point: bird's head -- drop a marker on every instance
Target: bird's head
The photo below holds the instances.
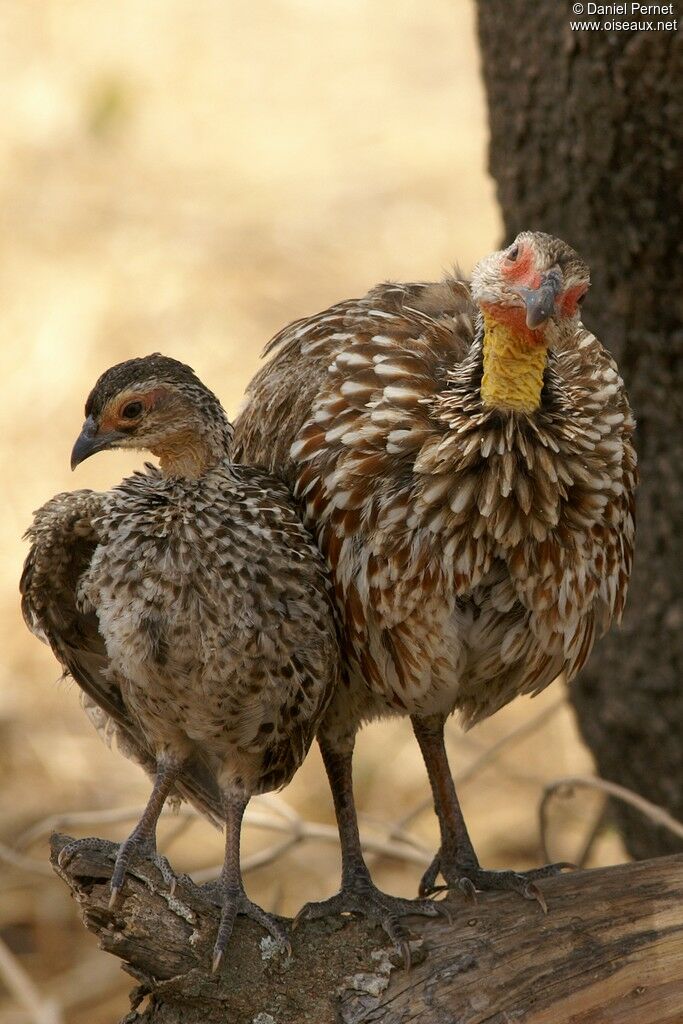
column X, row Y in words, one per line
column 535, row 287
column 159, row 405
column 530, row 296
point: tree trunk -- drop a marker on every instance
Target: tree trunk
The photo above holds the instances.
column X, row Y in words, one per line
column 586, row 131
column 609, row 949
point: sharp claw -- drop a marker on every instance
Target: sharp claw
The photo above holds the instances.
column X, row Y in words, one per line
column 427, row 883
column 532, row 892
column 443, row 910
column 114, row 896
column 403, row 948
column 301, row 916
column 216, row 961
column 467, row 888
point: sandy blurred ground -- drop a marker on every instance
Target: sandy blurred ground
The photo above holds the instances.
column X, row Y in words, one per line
column 187, row 176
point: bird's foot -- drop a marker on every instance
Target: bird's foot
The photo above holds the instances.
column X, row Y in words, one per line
column 470, row 878
column 139, row 847
column 83, row 847
column 361, row 896
column 136, row 846
column 235, row 901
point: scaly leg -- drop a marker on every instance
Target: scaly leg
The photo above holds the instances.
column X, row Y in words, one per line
column 228, row 890
column 142, row 840
column 358, row 893
column 456, row 860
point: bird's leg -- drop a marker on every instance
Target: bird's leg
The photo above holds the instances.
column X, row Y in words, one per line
column 142, row 840
column 229, row 892
column 456, row 860
column 358, row 893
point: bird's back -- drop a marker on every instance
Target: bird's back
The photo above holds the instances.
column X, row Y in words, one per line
column 431, row 322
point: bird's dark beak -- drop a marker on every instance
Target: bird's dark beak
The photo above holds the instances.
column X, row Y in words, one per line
column 90, row 440
column 540, row 302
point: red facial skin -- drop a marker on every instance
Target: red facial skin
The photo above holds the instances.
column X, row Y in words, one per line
column 523, row 272
column 570, row 299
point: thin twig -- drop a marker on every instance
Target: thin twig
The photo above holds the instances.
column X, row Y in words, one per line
column 87, row 982
column 256, row 860
column 75, row 819
column 592, row 835
column 179, row 828
column 24, row 863
column 277, row 804
column 114, row 815
column 653, row 812
column 40, row 1011
column 315, row 832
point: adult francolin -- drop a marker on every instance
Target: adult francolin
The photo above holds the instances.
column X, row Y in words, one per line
column 464, row 456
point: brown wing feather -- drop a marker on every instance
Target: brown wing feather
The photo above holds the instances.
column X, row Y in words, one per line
column 63, row 540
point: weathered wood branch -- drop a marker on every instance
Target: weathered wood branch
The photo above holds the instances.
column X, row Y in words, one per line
column 609, row 950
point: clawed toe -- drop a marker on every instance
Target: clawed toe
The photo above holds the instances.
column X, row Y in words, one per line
column 365, row 899
column 135, row 848
column 550, row 870
column 428, row 881
column 235, row 903
column 81, row 846
column 470, row 879
column 468, row 889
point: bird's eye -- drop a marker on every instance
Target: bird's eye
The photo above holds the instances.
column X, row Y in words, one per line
column 131, row 410
column 512, row 253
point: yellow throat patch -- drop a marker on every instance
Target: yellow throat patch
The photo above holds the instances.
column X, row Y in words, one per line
column 513, row 369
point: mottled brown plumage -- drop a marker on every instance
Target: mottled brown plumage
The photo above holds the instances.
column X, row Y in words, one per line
column 189, row 604
column 464, row 457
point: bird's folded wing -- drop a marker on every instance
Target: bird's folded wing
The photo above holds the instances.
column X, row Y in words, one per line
column 64, row 536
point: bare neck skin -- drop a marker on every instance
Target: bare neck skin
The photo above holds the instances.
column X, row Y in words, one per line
column 514, row 363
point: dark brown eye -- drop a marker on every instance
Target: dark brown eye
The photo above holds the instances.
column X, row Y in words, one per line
column 512, row 253
column 132, row 410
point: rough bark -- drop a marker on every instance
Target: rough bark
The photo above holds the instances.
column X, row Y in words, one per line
column 586, row 143
column 609, row 949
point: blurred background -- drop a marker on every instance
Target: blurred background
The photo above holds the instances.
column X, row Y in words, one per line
column 187, row 176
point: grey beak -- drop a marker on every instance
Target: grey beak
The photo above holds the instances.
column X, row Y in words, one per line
column 90, row 441
column 540, row 302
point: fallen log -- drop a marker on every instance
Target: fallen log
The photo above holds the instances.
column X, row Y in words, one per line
column 610, row 951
